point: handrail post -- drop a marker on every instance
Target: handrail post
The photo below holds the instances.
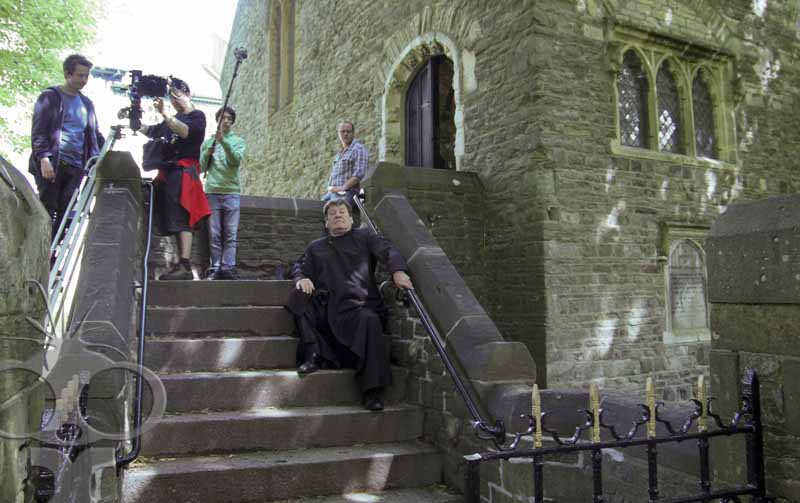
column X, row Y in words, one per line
column 751, row 395
column 472, row 485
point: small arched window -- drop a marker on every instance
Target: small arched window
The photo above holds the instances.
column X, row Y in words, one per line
column 669, row 111
column 632, row 86
column 703, row 107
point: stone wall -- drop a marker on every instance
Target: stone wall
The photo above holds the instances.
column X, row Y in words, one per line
column 573, row 244
column 24, row 256
column 754, row 290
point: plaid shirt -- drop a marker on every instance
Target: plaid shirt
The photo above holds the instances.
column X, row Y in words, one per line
column 349, row 162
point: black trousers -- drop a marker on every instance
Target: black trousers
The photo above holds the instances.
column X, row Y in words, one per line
column 364, row 347
column 55, row 195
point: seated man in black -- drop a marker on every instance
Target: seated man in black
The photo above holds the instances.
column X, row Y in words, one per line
column 338, row 309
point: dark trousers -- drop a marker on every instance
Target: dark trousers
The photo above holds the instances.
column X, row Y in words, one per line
column 364, row 348
column 56, row 194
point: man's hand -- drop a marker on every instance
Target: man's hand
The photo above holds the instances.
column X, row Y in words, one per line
column 402, row 280
column 305, row 285
column 219, row 136
column 48, row 173
column 336, row 188
column 158, row 104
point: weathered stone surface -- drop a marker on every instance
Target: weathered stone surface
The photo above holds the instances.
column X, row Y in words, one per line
column 756, row 328
column 24, row 256
column 754, row 253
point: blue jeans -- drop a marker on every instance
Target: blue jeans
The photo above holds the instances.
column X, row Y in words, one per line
column 223, row 228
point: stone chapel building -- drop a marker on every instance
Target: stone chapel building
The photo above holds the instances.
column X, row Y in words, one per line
column 606, row 136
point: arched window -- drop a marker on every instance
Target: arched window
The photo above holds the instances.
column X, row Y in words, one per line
column 705, row 140
column 281, row 54
column 687, row 310
column 632, row 86
column 669, row 116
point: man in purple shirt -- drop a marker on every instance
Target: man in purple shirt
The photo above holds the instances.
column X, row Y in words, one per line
column 64, row 136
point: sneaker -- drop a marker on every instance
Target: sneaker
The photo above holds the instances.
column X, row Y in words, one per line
column 226, row 274
column 178, row 272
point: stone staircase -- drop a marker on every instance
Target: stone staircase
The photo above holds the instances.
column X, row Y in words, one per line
column 242, row 426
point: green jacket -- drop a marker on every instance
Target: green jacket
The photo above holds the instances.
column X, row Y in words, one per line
column 223, row 173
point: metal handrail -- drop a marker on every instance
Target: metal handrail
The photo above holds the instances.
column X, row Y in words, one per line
column 483, row 428
column 136, row 446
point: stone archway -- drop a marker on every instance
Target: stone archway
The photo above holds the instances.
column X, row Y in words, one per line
column 403, row 68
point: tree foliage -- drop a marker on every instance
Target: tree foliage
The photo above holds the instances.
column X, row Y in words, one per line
column 35, row 36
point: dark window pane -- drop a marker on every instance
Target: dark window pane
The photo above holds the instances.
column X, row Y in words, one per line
column 703, row 119
column 632, row 85
column 669, row 119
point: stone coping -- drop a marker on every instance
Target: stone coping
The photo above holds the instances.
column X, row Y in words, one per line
column 290, row 206
column 753, row 252
column 493, row 364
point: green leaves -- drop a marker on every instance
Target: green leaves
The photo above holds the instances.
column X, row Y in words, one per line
column 35, row 36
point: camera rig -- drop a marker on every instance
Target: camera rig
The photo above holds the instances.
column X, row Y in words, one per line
column 149, row 86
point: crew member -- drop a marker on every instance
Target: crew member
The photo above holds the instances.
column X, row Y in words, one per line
column 64, row 136
column 180, row 201
column 224, row 194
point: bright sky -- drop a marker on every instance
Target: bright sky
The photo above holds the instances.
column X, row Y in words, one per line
column 163, row 37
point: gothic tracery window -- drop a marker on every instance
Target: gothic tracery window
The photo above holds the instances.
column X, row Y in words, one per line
column 705, row 140
column 669, row 112
column 632, row 84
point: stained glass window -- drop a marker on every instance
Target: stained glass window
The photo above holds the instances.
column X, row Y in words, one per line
column 669, row 119
column 632, row 85
column 704, row 137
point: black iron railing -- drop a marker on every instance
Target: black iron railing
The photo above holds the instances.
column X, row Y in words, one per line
column 136, row 442
column 747, row 422
column 484, row 428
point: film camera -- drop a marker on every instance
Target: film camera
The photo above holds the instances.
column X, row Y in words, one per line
column 142, row 86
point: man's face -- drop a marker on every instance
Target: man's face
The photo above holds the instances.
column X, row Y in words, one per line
column 178, row 99
column 338, row 220
column 226, row 123
column 76, row 80
column 346, row 134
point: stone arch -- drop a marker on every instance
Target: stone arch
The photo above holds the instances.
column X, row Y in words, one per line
column 402, row 70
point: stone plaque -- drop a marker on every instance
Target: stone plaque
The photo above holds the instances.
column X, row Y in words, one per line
column 687, row 289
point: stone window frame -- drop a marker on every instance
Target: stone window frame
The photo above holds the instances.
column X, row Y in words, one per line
column 281, row 54
column 673, row 233
column 686, row 61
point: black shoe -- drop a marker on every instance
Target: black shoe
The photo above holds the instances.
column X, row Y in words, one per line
column 178, row 272
column 310, row 366
column 373, row 399
column 226, row 274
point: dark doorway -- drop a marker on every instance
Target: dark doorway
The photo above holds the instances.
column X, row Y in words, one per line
column 430, row 113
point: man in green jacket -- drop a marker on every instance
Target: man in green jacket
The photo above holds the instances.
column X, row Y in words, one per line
column 224, row 192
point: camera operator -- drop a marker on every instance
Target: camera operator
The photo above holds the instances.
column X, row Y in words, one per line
column 180, row 201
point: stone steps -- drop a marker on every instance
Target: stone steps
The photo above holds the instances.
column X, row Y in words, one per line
column 435, row 494
column 215, row 321
column 214, row 354
column 218, row 293
column 272, row 428
column 242, row 390
column 273, row 475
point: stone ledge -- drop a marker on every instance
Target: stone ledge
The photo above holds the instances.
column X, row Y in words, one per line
column 753, row 252
column 282, row 206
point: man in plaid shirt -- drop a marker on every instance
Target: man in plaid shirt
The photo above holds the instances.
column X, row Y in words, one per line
column 349, row 166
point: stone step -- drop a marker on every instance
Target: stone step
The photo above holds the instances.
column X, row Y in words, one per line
column 434, row 494
column 218, row 293
column 211, row 354
column 273, row 475
column 242, row 390
column 219, row 321
column 273, row 429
